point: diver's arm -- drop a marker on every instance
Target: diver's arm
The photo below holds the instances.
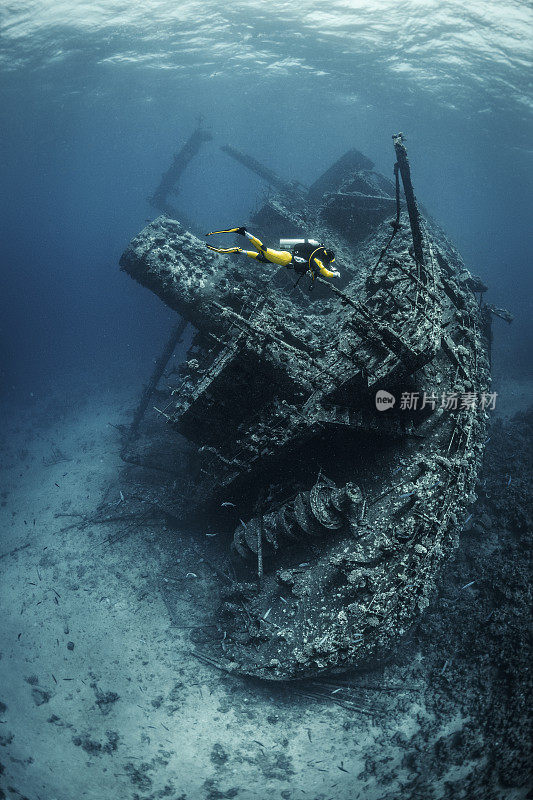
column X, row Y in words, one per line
column 326, row 272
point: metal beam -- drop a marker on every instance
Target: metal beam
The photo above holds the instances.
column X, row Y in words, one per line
column 170, row 178
column 412, row 207
column 264, row 172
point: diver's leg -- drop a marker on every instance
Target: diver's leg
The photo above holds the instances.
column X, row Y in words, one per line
column 282, row 257
column 241, row 231
column 225, row 249
column 257, row 243
column 249, row 253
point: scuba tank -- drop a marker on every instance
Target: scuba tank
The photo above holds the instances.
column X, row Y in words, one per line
column 288, row 244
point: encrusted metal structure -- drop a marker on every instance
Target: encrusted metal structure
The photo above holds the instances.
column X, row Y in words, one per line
column 343, row 512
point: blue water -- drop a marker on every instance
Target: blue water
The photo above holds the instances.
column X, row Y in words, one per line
column 95, row 99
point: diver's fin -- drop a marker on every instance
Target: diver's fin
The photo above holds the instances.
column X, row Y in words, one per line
column 228, row 230
column 225, row 250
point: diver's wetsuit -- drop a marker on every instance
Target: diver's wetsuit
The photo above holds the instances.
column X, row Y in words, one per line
column 305, row 257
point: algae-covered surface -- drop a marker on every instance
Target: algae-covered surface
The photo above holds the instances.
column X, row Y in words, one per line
column 102, row 695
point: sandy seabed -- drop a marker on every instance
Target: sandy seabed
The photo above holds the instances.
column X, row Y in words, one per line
column 101, row 696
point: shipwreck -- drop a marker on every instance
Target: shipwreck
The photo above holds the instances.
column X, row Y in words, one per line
column 335, row 429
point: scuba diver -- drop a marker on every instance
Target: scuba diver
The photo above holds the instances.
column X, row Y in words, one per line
column 305, row 257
